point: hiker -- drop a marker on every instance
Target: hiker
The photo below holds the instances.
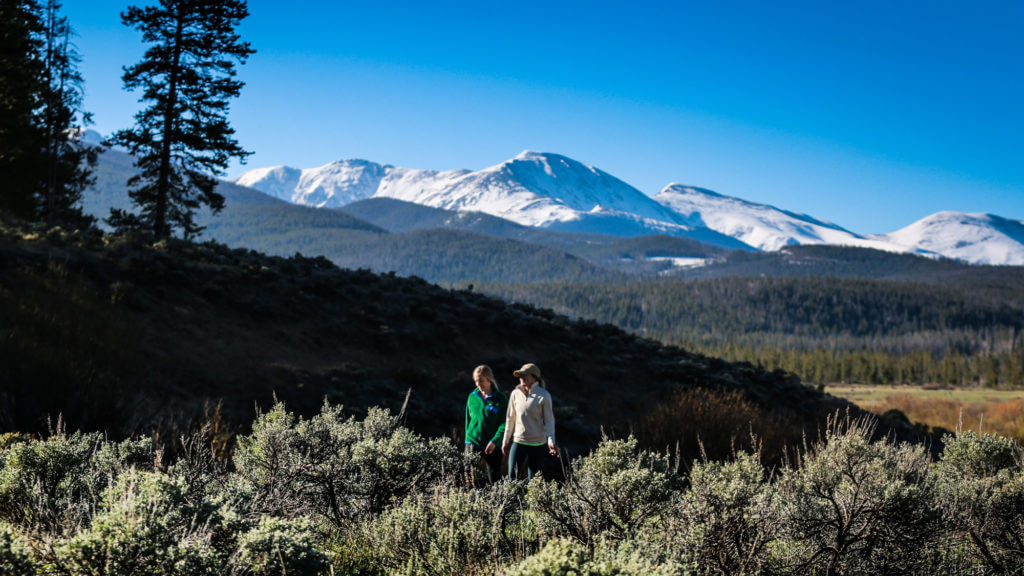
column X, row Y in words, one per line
column 529, row 425
column 485, row 421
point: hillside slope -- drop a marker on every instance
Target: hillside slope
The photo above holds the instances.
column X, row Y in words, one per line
column 142, row 334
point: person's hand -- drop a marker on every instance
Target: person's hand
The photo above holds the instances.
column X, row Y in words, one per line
column 504, row 449
column 553, row 450
column 490, row 448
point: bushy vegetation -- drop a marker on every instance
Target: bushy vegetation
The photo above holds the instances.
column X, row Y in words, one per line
column 336, row 494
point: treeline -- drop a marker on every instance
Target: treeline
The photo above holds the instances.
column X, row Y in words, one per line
column 44, row 167
column 337, row 494
column 822, row 329
column 920, row 367
column 179, row 144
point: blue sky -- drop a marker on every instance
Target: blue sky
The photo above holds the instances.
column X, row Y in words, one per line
column 869, row 114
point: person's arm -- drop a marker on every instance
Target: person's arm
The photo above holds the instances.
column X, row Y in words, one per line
column 465, row 431
column 510, row 423
column 499, row 434
column 549, row 426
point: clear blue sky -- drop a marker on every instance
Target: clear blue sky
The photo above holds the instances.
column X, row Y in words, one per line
column 868, row 114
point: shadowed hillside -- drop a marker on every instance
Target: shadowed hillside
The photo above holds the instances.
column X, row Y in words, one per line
column 127, row 335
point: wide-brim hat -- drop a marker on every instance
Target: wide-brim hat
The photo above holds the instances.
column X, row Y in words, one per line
column 528, row 369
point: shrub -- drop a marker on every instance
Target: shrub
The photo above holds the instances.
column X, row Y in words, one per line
column 729, row 517
column 54, row 484
column 15, row 559
column 452, row 531
column 857, row 507
column 613, row 492
column 982, row 487
column 336, row 467
column 565, row 558
column 146, row 526
column 199, row 464
column 278, row 546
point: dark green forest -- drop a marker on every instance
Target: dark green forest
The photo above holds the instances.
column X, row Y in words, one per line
column 824, row 330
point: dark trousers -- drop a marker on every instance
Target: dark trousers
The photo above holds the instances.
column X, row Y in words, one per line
column 524, row 461
column 492, row 460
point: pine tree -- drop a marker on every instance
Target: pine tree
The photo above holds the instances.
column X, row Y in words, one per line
column 69, row 162
column 43, row 166
column 182, row 140
column 21, row 139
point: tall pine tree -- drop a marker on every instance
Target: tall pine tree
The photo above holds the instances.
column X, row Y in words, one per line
column 182, row 140
column 44, row 168
column 21, row 139
column 69, row 161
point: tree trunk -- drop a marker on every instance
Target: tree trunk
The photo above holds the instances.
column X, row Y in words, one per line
column 160, row 225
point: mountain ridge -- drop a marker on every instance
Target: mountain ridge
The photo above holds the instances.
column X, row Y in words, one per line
column 555, row 192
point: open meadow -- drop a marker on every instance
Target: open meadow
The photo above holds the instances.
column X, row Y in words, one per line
column 978, row 409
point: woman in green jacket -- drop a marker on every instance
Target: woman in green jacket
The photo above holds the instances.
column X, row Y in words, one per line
column 485, row 421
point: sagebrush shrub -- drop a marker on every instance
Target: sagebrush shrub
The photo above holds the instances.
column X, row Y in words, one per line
column 614, row 492
column 280, row 546
column 567, row 558
column 982, row 488
column 146, row 526
column 452, row 531
column 853, row 506
column 333, row 466
column 54, row 484
column 728, row 518
column 15, row 558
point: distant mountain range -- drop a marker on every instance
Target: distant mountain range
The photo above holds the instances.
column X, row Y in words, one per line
column 556, row 193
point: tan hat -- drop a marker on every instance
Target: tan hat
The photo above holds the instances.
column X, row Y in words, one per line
column 528, row 369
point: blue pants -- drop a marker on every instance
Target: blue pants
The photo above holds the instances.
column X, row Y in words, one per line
column 525, row 460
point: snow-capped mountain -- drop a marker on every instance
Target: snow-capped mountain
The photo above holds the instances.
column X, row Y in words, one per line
column 762, row 226
column 556, row 192
column 533, row 189
column 971, row 237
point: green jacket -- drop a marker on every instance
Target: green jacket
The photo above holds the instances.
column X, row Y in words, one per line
column 485, row 419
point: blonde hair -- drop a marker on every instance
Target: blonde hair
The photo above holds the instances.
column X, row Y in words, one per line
column 485, row 371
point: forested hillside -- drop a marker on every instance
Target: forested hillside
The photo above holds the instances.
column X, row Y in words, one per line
column 824, row 329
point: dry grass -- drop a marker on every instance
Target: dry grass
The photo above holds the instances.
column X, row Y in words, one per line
column 1001, row 412
column 699, row 423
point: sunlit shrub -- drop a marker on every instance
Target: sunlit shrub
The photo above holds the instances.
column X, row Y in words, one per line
column 54, row 484
column 982, row 487
column 278, row 546
column 728, row 518
column 452, row 531
column 146, row 526
column 566, row 558
column 614, row 492
column 335, row 467
column 857, row 507
column 15, row 559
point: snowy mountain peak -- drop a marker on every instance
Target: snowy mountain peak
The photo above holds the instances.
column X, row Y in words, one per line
column 684, row 189
column 972, row 237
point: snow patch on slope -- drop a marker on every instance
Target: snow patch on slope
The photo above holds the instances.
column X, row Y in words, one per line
column 762, row 226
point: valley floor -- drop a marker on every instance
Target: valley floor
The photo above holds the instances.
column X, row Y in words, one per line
column 975, row 408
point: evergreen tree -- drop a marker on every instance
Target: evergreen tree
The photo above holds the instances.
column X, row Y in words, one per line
column 21, row 139
column 69, row 161
column 182, row 140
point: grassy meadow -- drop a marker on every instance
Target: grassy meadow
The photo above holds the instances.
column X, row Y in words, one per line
column 978, row 409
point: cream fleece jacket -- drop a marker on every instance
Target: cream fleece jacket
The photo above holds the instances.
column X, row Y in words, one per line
column 530, row 418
